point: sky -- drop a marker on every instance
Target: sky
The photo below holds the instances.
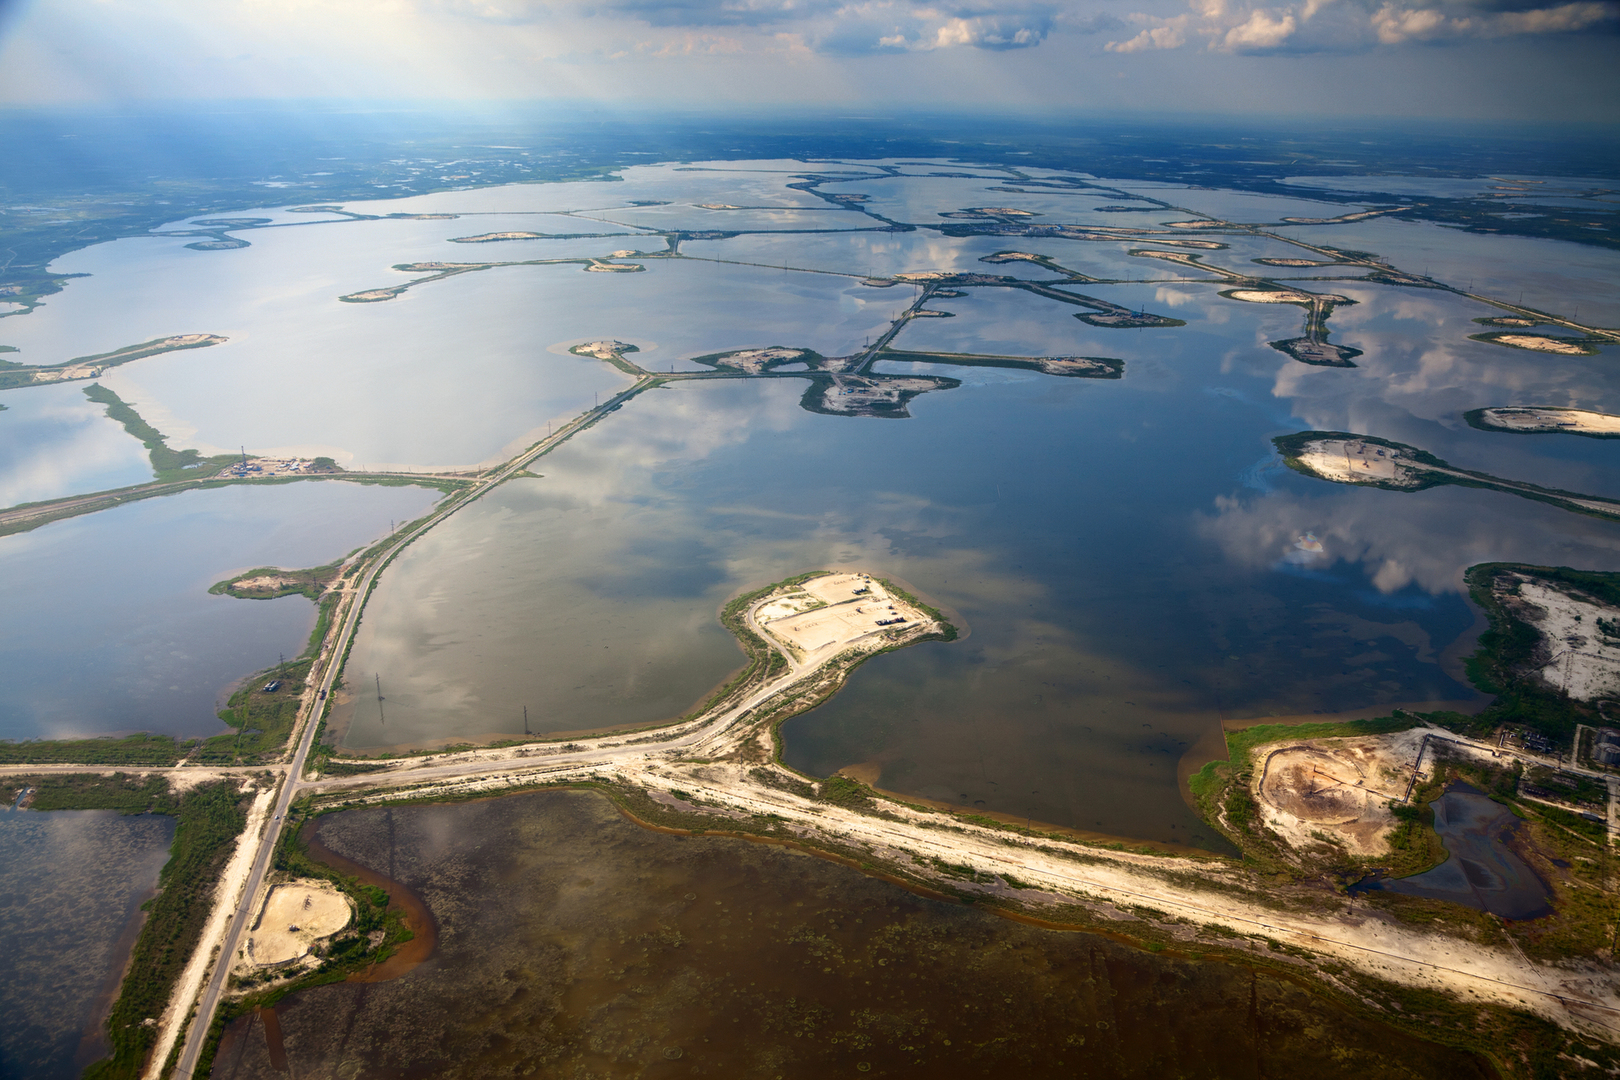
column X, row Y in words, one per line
column 1515, row 60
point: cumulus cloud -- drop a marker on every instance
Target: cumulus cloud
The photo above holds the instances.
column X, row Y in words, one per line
column 836, row 26
column 1168, row 34
column 1346, row 25
column 1261, row 30
column 890, row 26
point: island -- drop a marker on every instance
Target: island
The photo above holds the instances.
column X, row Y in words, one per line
column 1545, row 420
column 1368, row 461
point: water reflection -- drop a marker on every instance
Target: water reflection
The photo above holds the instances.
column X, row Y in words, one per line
column 54, row 442
column 1108, row 634
column 71, row 886
column 106, row 624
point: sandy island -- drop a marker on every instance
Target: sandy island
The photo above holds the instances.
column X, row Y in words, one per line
column 492, row 237
column 827, row 614
column 296, row 915
column 1354, row 461
column 1579, row 650
column 1539, row 343
column 755, row 361
column 1269, row 296
column 1547, row 419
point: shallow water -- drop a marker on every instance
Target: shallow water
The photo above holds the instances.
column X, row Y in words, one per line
column 574, row 943
column 1482, row 871
column 1085, row 678
column 106, row 624
column 71, row 886
column 55, row 442
column 1548, row 275
column 1126, row 552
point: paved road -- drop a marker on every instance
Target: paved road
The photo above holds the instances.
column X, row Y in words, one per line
column 292, row 784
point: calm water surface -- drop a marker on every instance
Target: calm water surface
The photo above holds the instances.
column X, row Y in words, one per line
column 1108, row 634
column 71, row 886
column 55, row 442
column 1482, row 871
column 106, row 623
column 1127, row 554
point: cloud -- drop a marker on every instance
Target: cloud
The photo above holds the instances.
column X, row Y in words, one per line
column 995, row 32
column 715, row 12
column 1261, row 31
column 1396, row 25
column 1309, row 26
column 834, row 26
column 889, row 26
column 1169, row 34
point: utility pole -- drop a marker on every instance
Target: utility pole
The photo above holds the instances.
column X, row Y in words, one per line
column 525, row 720
column 381, row 719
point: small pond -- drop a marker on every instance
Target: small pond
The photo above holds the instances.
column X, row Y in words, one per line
column 1483, row 872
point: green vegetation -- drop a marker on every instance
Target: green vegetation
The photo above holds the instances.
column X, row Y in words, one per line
column 263, row 718
column 167, row 464
column 1581, row 346
column 1502, row 663
column 1569, row 852
column 91, row 791
column 141, row 749
column 846, row 792
column 16, row 375
column 947, row 631
column 313, row 582
column 763, row 660
column 376, row 933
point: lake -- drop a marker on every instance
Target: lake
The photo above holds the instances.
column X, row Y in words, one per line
column 106, row 622
column 71, row 886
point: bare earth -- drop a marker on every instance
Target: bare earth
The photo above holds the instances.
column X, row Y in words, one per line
column 852, row 607
column 602, row 350
column 1575, row 421
column 1355, row 462
column 489, row 237
column 852, row 392
column 754, row 361
column 716, row 762
column 1336, row 787
column 1575, row 654
column 295, row 916
column 231, row 882
column 1268, row 296
column 1541, row 344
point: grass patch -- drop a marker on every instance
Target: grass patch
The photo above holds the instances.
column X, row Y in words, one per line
column 263, row 719
column 140, row 749
column 211, row 817
column 167, row 464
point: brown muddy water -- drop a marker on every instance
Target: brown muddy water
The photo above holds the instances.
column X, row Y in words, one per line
column 573, row 943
